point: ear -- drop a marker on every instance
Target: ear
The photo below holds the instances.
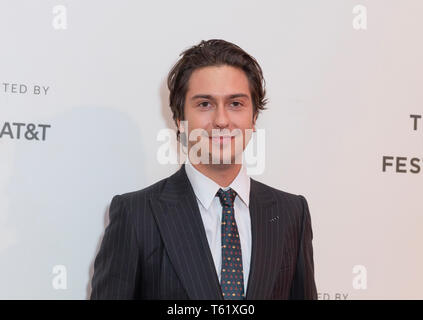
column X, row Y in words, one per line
column 181, row 129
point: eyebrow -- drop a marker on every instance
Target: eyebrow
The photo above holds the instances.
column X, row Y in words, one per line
column 210, row 97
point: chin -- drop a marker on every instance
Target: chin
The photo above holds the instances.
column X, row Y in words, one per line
column 225, row 160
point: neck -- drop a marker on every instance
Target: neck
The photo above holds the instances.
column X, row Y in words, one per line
column 222, row 174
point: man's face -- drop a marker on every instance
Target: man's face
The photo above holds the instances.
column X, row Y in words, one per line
column 218, row 104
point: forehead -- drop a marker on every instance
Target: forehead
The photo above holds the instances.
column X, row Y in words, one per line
column 218, row 80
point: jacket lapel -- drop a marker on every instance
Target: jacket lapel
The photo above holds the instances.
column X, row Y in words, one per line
column 267, row 242
column 182, row 230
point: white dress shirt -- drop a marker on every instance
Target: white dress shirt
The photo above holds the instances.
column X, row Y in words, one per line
column 205, row 190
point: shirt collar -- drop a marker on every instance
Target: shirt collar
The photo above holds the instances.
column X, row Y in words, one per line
column 205, row 188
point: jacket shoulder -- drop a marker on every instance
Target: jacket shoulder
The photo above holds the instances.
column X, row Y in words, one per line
column 280, row 195
column 134, row 198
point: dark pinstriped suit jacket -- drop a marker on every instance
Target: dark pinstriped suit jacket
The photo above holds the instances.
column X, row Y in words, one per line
column 155, row 246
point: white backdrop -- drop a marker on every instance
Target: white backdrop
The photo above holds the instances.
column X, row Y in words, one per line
column 89, row 76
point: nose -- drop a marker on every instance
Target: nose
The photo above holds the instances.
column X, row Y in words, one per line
column 221, row 119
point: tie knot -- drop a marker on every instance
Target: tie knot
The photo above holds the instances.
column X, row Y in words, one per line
column 226, row 197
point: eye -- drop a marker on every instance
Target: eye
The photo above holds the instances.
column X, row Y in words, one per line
column 204, row 104
column 236, row 104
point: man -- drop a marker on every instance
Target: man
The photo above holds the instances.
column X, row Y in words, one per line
column 209, row 231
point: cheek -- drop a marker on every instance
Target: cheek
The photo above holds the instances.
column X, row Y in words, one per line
column 243, row 118
column 198, row 120
column 246, row 122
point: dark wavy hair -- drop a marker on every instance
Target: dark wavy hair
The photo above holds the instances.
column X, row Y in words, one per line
column 214, row 52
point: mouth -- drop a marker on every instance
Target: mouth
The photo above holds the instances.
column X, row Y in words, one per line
column 221, row 139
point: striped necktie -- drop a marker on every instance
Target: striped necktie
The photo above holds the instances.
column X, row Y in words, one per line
column 232, row 280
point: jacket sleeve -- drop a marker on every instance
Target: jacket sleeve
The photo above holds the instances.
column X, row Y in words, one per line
column 303, row 286
column 116, row 269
